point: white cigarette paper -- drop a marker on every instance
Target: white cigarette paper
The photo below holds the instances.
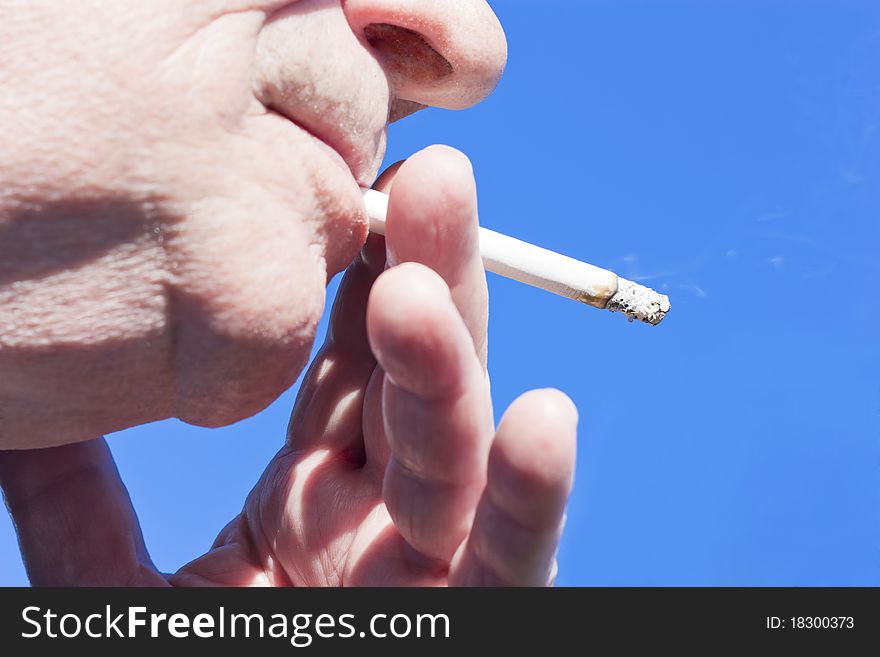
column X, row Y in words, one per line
column 550, row 271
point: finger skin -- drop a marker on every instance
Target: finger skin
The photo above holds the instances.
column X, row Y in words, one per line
column 329, row 404
column 432, row 220
column 519, row 519
column 331, row 400
column 75, row 522
column 436, row 408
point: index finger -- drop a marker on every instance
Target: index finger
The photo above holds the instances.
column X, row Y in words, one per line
column 433, row 220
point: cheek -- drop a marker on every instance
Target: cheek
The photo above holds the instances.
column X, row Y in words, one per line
column 244, row 312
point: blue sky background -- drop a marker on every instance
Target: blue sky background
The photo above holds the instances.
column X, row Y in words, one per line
column 726, row 153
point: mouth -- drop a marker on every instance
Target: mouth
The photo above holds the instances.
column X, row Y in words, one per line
column 331, row 137
column 345, row 228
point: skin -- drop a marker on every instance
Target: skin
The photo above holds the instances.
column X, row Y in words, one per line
column 180, row 180
column 165, row 246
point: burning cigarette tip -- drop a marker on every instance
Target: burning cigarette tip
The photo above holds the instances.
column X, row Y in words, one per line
column 638, row 302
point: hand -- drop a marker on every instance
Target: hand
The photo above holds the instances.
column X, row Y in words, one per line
column 392, row 473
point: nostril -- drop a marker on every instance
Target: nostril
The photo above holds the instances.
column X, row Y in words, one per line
column 400, row 109
column 439, row 53
column 406, row 54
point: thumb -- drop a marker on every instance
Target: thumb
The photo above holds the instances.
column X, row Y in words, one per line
column 75, row 522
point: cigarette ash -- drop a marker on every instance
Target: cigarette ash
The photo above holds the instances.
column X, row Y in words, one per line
column 639, row 302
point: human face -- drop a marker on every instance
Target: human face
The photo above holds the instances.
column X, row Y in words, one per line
column 181, row 181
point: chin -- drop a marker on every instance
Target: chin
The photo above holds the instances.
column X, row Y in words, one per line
column 253, row 374
column 243, row 395
column 233, row 362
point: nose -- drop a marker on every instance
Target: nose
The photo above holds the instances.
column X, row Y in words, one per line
column 443, row 53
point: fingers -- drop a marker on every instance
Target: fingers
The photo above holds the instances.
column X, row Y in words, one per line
column 436, row 407
column 519, row 518
column 427, row 328
column 348, row 319
column 432, row 220
column 75, row 522
column 329, row 405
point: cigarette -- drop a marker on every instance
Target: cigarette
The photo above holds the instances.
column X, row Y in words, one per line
column 551, row 271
